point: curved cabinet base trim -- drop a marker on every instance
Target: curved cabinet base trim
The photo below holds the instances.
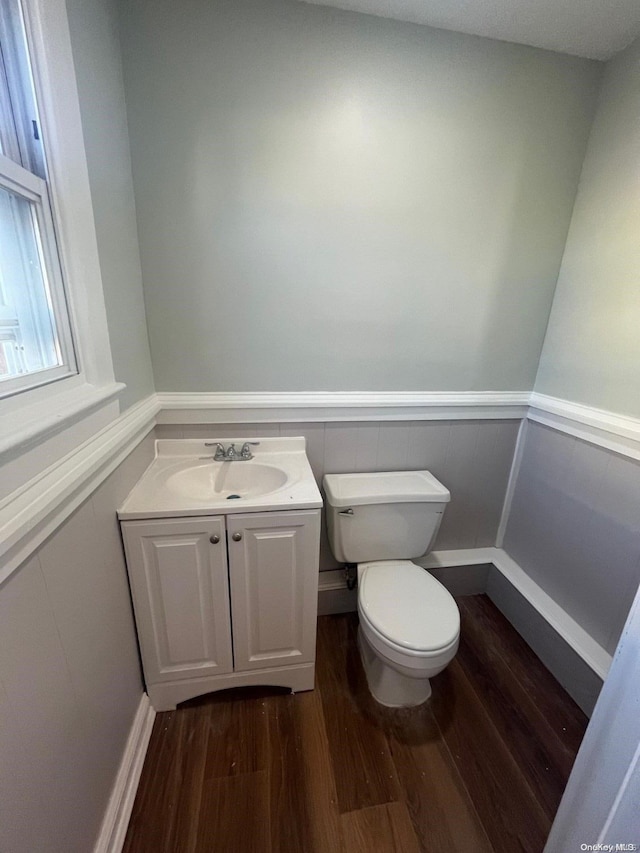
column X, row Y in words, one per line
column 165, row 696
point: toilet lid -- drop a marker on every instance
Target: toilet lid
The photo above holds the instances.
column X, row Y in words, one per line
column 408, row 606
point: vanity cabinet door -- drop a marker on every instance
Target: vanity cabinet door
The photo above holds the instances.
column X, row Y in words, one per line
column 273, row 570
column 180, row 589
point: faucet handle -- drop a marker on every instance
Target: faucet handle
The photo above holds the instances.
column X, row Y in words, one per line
column 245, row 452
column 219, row 454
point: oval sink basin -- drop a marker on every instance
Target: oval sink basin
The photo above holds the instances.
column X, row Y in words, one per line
column 226, row 480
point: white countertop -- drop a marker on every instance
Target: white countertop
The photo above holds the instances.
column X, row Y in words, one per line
column 163, row 491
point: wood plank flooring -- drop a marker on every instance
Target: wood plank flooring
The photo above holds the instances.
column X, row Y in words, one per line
column 480, row 768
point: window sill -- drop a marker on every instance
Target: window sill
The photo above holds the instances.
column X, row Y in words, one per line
column 35, row 422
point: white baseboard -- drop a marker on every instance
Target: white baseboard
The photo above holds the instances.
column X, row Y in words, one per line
column 116, row 818
column 582, row 643
column 458, row 557
column 333, row 594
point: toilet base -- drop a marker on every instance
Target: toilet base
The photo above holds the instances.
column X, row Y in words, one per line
column 388, row 686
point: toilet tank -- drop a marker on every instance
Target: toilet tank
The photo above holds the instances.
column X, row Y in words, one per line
column 393, row 515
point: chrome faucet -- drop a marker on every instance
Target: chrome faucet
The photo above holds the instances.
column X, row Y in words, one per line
column 245, row 452
column 220, row 454
column 231, row 454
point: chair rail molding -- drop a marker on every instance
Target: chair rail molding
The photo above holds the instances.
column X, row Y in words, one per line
column 34, row 511
column 320, row 406
column 31, row 513
column 618, row 433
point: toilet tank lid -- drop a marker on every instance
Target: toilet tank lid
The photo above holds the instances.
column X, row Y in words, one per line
column 384, row 487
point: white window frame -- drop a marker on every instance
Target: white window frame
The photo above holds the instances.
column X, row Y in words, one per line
column 33, row 414
column 26, row 185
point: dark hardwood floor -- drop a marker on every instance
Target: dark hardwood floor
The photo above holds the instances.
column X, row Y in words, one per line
column 480, row 767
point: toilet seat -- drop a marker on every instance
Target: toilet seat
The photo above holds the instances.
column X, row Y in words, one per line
column 407, row 610
column 401, row 654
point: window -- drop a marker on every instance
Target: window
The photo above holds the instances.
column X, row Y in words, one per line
column 36, row 344
column 47, row 231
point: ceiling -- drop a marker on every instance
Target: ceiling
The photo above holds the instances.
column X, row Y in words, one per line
column 593, row 28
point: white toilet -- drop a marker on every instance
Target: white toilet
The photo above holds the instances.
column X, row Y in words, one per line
column 409, row 623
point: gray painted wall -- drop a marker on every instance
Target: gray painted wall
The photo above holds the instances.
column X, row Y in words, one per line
column 592, row 349
column 574, row 528
column 328, row 200
column 472, row 459
column 96, row 54
column 70, row 680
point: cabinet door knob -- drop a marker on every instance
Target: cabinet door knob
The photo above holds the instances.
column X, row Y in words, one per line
column 236, row 537
column 214, row 539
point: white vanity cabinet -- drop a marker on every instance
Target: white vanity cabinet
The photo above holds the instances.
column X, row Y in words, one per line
column 224, row 601
column 274, row 600
column 180, row 590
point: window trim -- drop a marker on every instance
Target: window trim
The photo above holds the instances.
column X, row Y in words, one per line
column 33, row 414
column 25, row 184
